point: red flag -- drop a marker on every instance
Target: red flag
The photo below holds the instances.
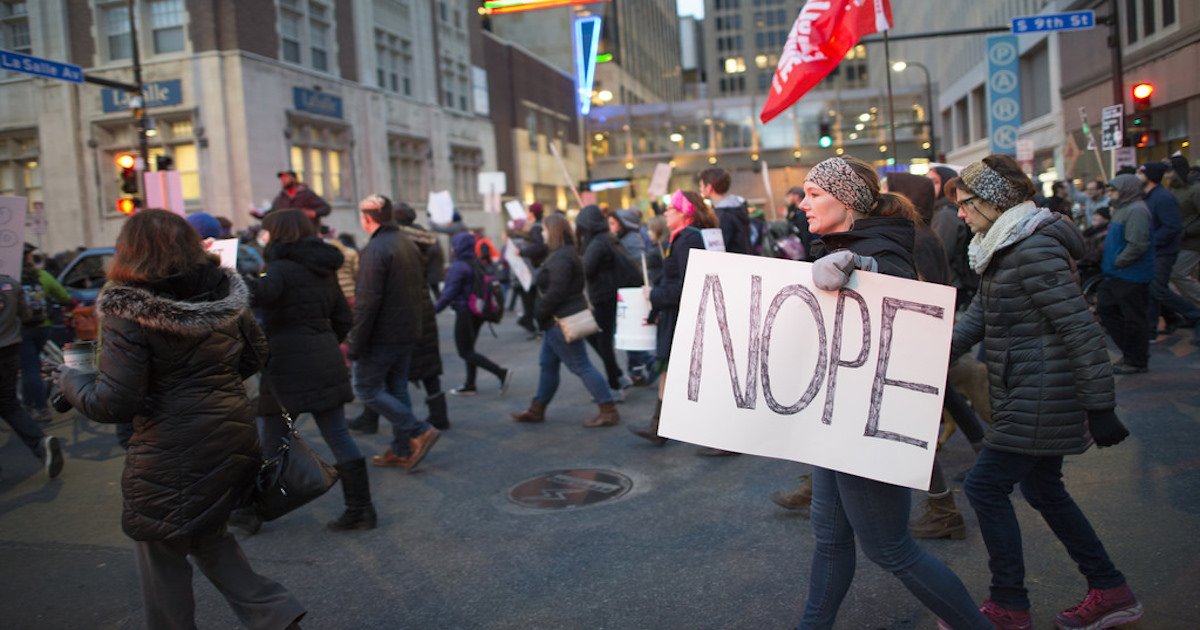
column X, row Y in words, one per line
column 824, row 31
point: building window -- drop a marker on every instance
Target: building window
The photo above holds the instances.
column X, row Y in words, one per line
column 466, row 162
column 318, row 155
column 166, row 25
column 1035, row 71
column 393, row 58
column 20, row 170
column 1146, row 19
column 304, row 33
column 161, row 28
column 116, row 29
column 14, row 27
column 408, row 159
column 531, row 126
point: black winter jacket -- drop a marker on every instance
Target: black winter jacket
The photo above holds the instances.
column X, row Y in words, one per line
column 599, row 255
column 1046, row 359
column 665, row 296
column 387, row 296
column 172, row 363
column 306, row 316
column 427, row 358
column 301, row 197
column 734, row 217
column 889, row 240
column 560, row 287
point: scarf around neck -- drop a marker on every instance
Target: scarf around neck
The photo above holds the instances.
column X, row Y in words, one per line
column 1014, row 225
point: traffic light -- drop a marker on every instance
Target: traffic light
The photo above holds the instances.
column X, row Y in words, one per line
column 164, row 163
column 1141, row 96
column 826, row 131
column 128, row 165
column 126, row 205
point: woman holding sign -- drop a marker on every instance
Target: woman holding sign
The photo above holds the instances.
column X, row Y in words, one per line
column 862, row 228
column 1051, row 389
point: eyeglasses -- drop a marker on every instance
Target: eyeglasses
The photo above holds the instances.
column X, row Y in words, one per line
column 964, row 202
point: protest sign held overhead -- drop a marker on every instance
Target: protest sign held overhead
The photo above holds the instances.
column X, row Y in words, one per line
column 765, row 363
column 822, row 34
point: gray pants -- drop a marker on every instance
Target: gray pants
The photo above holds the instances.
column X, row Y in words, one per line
column 166, row 577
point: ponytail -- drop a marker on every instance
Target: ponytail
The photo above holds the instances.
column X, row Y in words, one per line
column 890, row 204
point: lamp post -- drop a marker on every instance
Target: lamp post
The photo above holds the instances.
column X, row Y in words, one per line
column 901, row 66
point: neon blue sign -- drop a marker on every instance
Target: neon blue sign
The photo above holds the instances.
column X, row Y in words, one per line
column 587, row 43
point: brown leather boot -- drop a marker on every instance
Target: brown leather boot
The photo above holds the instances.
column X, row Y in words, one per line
column 798, row 499
column 607, row 417
column 650, row 432
column 535, row 413
column 940, row 518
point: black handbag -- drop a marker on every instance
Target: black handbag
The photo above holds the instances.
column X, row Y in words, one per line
column 294, row 475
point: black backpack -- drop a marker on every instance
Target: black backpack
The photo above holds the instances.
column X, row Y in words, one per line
column 487, row 294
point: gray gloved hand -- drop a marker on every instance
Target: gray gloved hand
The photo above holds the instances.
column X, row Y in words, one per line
column 832, row 272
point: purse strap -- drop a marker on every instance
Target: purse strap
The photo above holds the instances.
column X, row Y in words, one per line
column 264, row 382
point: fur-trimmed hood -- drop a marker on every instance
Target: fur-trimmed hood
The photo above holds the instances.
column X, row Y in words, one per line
column 217, row 297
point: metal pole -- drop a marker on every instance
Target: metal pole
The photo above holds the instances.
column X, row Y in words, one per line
column 887, row 59
column 931, row 112
column 937, row 34
column 139, row 112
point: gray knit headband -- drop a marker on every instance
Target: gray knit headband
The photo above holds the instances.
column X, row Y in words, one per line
column 839, row 180
column 991, row 186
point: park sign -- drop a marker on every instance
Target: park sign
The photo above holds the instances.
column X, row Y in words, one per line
column 1070, row 21
column 39, row 67
column 765, row 363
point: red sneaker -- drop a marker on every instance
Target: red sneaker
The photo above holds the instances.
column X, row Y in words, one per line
column 1006, row 619
column 1101, row 608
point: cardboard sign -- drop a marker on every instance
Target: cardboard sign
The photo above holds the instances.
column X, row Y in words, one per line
column 12, row 235
column 441, row 207
column 660, row 180
column 765, row 363
column 517, row 265
column 227, row 249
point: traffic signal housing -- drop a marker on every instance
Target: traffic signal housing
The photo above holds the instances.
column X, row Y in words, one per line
column 826, row 135
column 1141, row 96
column 128, row 165
column 127, row 205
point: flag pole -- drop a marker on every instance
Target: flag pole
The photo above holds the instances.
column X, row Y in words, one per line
column 887, row 60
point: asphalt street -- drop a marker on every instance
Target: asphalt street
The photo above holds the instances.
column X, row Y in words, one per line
column 694, row 543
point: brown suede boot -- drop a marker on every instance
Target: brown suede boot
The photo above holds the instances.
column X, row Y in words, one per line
column 535, row 413
column 940, row 519
column 607, row 417
column 798, row 499
column 650, row 432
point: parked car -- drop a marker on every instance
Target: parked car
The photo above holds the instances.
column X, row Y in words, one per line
column 85, row 274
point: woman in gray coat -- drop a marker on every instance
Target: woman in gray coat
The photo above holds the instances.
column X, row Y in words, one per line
column 1051, row 387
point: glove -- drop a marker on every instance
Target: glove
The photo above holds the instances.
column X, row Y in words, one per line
column 832, row 272
column 1106, row 428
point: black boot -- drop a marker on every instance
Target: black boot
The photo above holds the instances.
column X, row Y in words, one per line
column 360, row 512
column 651, row 432
column 366, row 422
column 437, row 411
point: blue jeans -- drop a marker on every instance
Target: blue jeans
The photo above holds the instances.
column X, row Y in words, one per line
column 33, row 389
column 381, row 383
column 10, row 408
column 556, row 351
column 845, row 505
column 988, row 487
column 331, row 422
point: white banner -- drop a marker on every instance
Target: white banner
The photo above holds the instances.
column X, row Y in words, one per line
column 227, row 249
column 517, row 265
column 440, row 207
column 765, row 363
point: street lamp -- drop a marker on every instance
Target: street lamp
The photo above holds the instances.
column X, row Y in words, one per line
column 901, row 66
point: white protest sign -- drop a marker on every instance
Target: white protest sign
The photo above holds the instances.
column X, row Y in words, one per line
column 660, row 180
column 12, row 235
column 1126, row 156
column 441, row 207
column 493, row 182
column 517, row 265
column 764, row 363
column 714, row 240
column 515, row 210
column 227, row 249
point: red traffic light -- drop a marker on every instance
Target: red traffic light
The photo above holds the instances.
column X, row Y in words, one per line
column 126, row 206
column 126, row 160
column 1142, row 91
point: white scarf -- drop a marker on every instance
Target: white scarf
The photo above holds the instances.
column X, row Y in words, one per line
column 1014, row 225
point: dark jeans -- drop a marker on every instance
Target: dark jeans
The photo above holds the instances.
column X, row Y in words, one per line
column 606, row 316
column 844, row 506
column 528, row 297
column 33, row 389
column 10, row 408
column 1122, row 309
column 166, row 578
column 381, row 383
column 466, row 333
column 1166, row 302
column 332, row 424
column 555, row 352
column 988, row 487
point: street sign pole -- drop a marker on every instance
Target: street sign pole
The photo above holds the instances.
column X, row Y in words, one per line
column 139, row 109
column 1087, row 131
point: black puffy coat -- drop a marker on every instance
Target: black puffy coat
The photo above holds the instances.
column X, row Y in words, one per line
column 172, row 363
column 665, row 296
column 387, row 296
column 889, row 240
column 560, row 287
column 599, row 255
column 1046, row 359
column 306, row 316
column 427, row 358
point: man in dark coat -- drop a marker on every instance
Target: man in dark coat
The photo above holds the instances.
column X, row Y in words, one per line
column 387, row 327
column 732, row 211
column 294, row 195
column 1167, row 238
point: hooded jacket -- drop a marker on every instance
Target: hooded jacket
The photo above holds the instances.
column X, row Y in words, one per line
column 560, row 287
column 1128, row 254
column 599, row 255
column 734, row 216
column 1045, row 353
column 387, row 296
column 889, row 240
column 1168, row 227
column 306, row 316
column 172, row 363
column 460, row 277
column 929, row 255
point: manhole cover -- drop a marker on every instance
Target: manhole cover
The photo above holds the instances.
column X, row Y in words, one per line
column 565, row 489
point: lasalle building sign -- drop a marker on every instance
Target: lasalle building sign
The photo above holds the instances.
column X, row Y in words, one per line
column 314, row 102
